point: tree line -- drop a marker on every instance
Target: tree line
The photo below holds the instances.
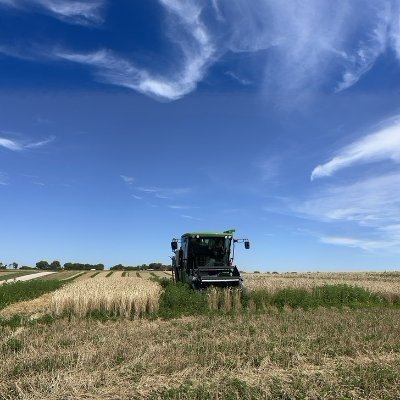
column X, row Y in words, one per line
column 56, row 266
column 151, row 266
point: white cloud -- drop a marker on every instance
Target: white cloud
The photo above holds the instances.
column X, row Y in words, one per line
column 137, row 197
column 40, row 143
column 301, row 47
column 242, row 81
column 127, row 179
column 179, row 207
column 369, row 206
column 15, row 145
column 72, row 11
column 364, row 244
column 118, row 71
column 362, row 60
column 10, row 144
column 373, row 201
column 381, row 145
column 195, row 51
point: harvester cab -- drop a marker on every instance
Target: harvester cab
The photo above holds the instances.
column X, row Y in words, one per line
column 203, row 259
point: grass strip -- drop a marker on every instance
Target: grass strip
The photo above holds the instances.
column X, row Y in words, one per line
column 96, row 273
column 341, row 295
column 19, row 291
column 179, row 299
column 110, row 273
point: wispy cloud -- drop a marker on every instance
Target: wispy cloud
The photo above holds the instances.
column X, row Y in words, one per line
column 10, row 144
column 3, row 178
column 136, row 197
column 362, row 59
column 368, row 206
column 268, row 168
column 364, row 244
column 71, row 11
column 242, row 81
column 190, row 217
column 384, row 144
column 129, row 180
column 40, row 143
column 180, row 207
column 16, row 145
column 193, row 55
column 299, row 49
column 364, row 211
column 163, row 193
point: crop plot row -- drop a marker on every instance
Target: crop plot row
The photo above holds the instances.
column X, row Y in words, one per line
column 384, row 284
column 125, row 297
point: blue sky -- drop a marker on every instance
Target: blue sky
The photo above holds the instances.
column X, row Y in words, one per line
column 124, row 124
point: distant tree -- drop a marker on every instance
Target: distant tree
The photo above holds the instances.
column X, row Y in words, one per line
column 26, row 267
column 55, row 265
column 256, row 272
column 3, row 266
column 15, row 265
column 42, row 265
column 84, row 267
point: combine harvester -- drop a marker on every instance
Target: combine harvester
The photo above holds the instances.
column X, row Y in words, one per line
column 206, row 258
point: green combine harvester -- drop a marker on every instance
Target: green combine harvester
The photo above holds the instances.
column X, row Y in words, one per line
column 206, row 258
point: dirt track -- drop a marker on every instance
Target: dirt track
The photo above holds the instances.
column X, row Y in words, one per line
column 27, row 277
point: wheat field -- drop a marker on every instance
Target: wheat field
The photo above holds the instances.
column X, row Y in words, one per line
column 384, row 283
column 126, row 297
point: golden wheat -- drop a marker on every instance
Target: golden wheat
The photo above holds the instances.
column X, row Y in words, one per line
column 126, row 297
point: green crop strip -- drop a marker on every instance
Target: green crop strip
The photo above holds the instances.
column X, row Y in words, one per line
column 20, row 291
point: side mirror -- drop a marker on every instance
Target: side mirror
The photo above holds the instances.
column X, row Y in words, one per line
column 246, row 244
column 174, row 246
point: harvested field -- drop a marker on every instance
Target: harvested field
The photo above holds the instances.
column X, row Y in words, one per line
column 116, row 274
column 63, row 275
column 250, row 350
column 126, row 297
column 150, row 274
column 85, row 275
column 324, row 353
column 386, row 284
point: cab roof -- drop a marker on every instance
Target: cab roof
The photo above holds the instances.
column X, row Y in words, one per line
column 210, row 234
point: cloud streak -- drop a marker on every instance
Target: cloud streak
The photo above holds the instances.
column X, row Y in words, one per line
column 71, row 11
column 15, row 145
column 381, row 145
column 129, row 180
